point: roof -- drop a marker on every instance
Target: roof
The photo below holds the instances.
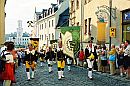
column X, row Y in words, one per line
column 63, row 19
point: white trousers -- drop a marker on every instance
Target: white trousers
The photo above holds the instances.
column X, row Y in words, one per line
column 90, row 63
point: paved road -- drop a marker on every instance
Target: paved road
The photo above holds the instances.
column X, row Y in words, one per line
column 76, row 77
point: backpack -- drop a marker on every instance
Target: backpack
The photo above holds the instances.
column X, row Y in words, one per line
column 2, row 62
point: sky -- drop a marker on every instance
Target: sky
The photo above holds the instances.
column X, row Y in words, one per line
column 22, row 10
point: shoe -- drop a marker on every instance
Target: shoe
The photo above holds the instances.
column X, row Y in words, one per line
column 128, row 78
column 91, row 78
column 62, row 77
column 28, row 80
column 50, row 72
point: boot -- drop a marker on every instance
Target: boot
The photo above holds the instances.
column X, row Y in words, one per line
column 49, row 69
column 90, row 75
column 32, row 75
column 59, row 75
column 69, row 68
column 28, row 75
column 62, row 74
column 41, row 64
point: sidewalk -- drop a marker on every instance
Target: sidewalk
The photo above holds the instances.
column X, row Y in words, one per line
column 116, row 76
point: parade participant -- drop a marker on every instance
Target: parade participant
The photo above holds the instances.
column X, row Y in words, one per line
column 50, row 57
column 8, row 73
column 42, row 55
column 69, row 61
column 60, row 63
column 90, row 60
column 30, row 61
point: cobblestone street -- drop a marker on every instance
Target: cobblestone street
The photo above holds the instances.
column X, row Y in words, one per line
column 76, row 77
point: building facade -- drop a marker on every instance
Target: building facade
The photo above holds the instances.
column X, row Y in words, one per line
column 20, row 39
column 47, row 21
column 94, row 18
column 2, row 21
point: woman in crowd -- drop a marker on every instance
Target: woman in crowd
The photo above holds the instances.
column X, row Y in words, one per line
column 8, row 74
column 120, row 58
column 104, row 59
column 112, row 59
column 81, row 57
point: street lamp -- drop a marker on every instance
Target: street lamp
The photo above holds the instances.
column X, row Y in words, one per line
column 82, row 23
column 110, row 5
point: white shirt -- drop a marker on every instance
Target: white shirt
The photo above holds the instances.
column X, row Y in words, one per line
column 3, row 48
column 127, row 51
column 9, row 57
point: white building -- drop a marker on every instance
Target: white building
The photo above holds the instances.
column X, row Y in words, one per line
column 46, row 22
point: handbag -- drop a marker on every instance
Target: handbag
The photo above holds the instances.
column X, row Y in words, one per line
column 112, row 57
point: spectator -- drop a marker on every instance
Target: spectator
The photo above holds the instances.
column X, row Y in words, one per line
column 120, row 58
column 98, row 50
column 104, row 59
column 8, row 75
column 95, row 67
column 127, row 57
column 81, row 57
column 112, row 59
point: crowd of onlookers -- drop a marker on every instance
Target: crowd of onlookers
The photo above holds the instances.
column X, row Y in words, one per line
column 108, row 61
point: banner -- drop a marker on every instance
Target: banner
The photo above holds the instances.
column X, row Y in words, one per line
column 70, row 40
column 35, row 42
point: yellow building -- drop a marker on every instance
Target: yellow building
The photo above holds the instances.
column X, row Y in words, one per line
column 94, row 19
column 2, row 21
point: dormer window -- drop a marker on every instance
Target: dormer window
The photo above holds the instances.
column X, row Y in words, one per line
column 45, row 14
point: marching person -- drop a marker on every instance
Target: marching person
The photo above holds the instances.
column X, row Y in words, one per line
column 50, row 57
column 69, row 61
column 60, row 63
column 90, row 59
column 30, row 61
column 42, row 55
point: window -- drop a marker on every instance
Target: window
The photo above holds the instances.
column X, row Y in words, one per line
column 77, row 4
column 85, row 1
column 52, row 36
column 45, row 36
column 49, row 36
column 89, row 25
column 42, row 37
column 85, row 31
column 49, row 23
column 89, row 1
column 78, row 24
column 45, row 25
column 42, row 26
column 52, row 23
column 72, row 5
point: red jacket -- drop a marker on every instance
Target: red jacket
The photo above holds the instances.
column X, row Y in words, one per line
column 81, row 55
